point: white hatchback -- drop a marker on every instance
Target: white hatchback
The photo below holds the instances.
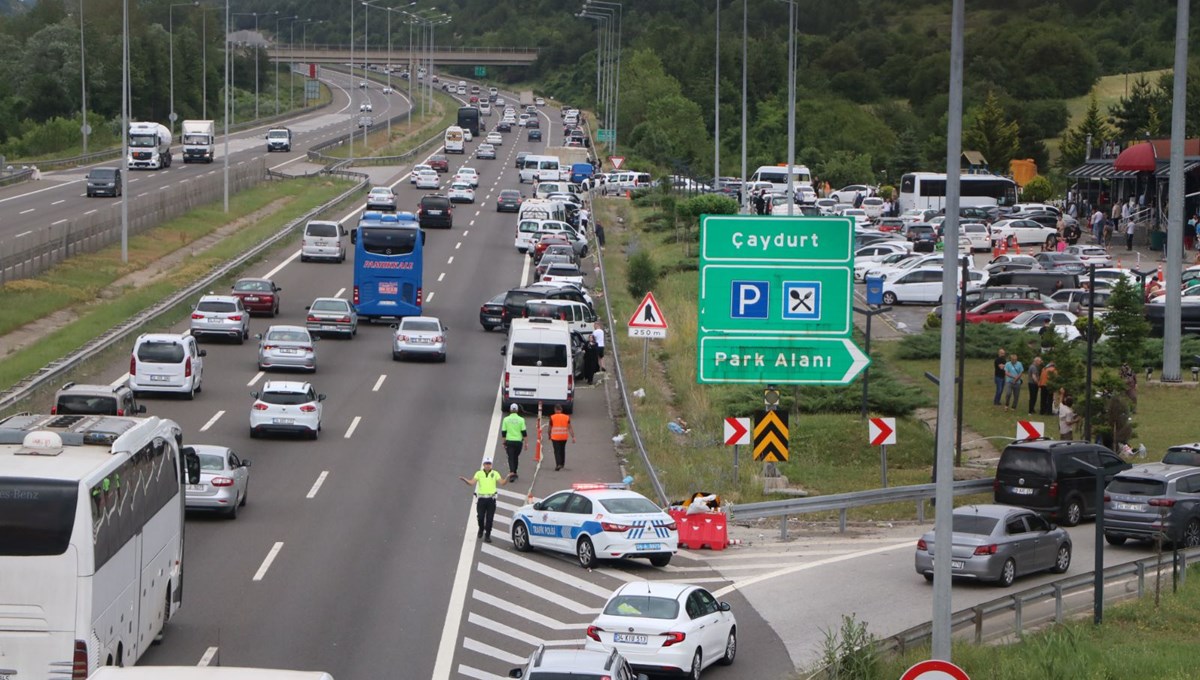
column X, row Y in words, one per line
column 417, row 170
column 468, row 175
column 495, row 138
column 461, row 192
column 286, row 407
column 428, row 179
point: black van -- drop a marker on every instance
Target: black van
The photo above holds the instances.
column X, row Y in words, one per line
column 435, row 210
column 1048, row 476
column 515, row 299
column 1046, row 282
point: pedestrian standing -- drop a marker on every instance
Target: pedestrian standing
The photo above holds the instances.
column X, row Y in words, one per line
column 512, row 428
column 1097, row 224
column 560, row 429
column 1014, row 375
column 998, row 375
column 1066, row 418
column 485, row 482
column 1130, row 227
column 591, row 360
column 598, row 336
column 584, row 217
column 1035, row 383
column 1106, row 235
column 1047, row 400
column 599, row 229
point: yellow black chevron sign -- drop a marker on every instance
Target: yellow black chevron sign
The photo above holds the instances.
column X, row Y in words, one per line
column 771, row 436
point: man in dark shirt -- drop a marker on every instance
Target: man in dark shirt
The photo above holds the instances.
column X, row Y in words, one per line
column 998, row 375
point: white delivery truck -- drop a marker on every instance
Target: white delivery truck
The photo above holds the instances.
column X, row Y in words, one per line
column 199, row 140
column 149, row 146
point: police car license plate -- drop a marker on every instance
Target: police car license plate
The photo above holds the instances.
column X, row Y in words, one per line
column 649, row 546
column 629, row 639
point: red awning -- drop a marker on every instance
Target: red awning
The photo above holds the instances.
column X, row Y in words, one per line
column 1137, row 158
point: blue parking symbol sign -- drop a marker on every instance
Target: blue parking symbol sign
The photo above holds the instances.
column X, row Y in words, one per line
column 802, row 300
column 750, row 300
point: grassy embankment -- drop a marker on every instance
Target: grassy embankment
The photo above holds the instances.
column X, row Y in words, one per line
column 403, row 137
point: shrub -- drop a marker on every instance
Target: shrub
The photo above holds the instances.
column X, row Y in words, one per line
column 1037, row 190
column 643, row 274
column 983, row 339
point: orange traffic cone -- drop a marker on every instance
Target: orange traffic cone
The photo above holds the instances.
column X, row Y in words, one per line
column 1160, row 273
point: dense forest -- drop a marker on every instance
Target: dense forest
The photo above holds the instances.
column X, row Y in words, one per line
column 871, row 76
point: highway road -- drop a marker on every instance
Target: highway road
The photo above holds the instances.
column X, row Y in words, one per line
column 60, row 196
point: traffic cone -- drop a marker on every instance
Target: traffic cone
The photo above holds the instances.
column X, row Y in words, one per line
column 1120, row 265
column 1017, row 246
column 1160, row 273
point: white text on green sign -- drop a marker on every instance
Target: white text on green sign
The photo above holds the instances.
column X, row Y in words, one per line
column 783, row 360
column 796, row 240
column 787, row 299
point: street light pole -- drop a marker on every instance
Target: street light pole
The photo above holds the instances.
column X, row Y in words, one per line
column 83, row 84
column 228, row 101
column 791, row 116
column 276, row 39
column 717, row 105
column 745, row 23
column 616, row 86
column 124, row 130
column 350, row 136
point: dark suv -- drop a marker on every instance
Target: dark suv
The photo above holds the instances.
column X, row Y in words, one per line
column 1053, row 477
column 435, row 210
column 100, row 400
column 1149, row 501
column 515, row 299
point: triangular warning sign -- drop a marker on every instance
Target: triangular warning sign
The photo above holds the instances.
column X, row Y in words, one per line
column 648, row 314
column 616, row 161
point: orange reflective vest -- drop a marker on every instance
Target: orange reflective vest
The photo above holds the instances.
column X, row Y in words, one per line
column 559, row 427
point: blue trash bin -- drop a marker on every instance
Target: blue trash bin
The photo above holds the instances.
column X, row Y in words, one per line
column 874, row 290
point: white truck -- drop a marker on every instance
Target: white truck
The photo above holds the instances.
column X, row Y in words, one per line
column 199, row 140
column 149, row 146
column 526, row 99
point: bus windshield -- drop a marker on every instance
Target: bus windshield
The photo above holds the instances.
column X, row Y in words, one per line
column 388, row 270
column 36, row 516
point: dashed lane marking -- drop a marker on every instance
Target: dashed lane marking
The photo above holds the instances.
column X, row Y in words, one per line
column 212, row 421
column 379, row 383
column 266, row 563
column 312, row 493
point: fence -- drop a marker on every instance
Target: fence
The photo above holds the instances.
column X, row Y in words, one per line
column 41, row 249
column 15, row 177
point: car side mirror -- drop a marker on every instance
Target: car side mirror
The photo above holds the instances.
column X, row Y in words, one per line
column 394, row 325
column 191, row 464
column 277, row 289
column 307, row 307
column 539, row 506
column 516, row 673
column 504, row 350
column 254, row 395
column 320, row 397
column 724, row 606
column 314, row 338
column 422, row 237
column 245, row 462
column 203, row 353
column 140, row 409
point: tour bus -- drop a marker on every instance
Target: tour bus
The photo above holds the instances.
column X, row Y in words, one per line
column 91, row 540
column 388, row 251
column 454, row 140
column 777, row 175
column 468, row 119
column 205, row 673
column 927, row 191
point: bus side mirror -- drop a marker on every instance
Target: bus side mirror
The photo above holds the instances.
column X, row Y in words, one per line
column 354, row 235
column 191, row 464
column 422, row 237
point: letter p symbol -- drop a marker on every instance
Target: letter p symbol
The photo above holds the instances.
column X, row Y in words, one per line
column 749, row 300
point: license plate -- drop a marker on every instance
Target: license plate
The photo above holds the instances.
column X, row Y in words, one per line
column 1021, row 491
column 629, row 639
column 252, row 298
column 522, row 392
column 1126, row 506
column 435, row 212
column 649, row 546
column 491, row 318
column 158, row 378
column 420, row 341
column 389, row 288
column 195, row 487
column 283, row 421
column 957, row 564
column 328, row 327
column 284, row 350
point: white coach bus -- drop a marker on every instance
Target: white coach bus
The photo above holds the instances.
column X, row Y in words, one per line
column 91, row 540
column 927, row 191
column 204, row 673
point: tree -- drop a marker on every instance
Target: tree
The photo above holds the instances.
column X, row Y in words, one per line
column 1140, row 113
column 992, row 134
column 643, row 274
column 1074, row 143
column 1127, row 326
column 1037, row 190
column 906, row 155
column 842, row 168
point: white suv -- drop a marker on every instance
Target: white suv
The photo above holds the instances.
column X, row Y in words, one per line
column 166, row 362
column 221, row 315
column 286, row 407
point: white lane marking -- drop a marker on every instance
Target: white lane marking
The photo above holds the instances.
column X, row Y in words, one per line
column 89, row 212
column 212, row 421
column 38, row 191
column 527, row 614
column 466, row 232
column 27, row 233
column 519, row 635
column 353, row 426
column 537, row 591
column 441, row 276
column 266, row 564
column 515, row 495
column 61, row 200
column 539, row 571
column 283, row 264
column 138, row 179
column 458, row 245
column 493, row 652
column 429, row 297
column 472, row 672
column 379, row 383
column 120, row 381
column 803, row 567
column 472, row 223
column 477, row 212
column 52, row 224
column 339, row 293
column 451, row 260
column 168, row 186
column 462, row 573
column 257, row 376
column 208, row 656
column 312, row 493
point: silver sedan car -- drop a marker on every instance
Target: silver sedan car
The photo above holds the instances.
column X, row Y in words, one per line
column 286, row 347
column 998, row 543
column 419, row 336
column 332, row 315
column 224, row 481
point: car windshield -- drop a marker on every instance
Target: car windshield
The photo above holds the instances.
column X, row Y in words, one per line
column 461, row 187
column 973, row 524
column 216, row 306
column 39, row 515
column 389, row 241
column 330, row 306
column 1182, row 456
column 103, row 173
column 510, row 193
column 288, row 336
column 381, row 193
column 277, row 134
column 629, row 506
column 1024, row 317
column 285, row 398
column 252, row 286
column 643, row 606
column 562, row 270
column 78, row 404
column 212, row 461
column 160, row 352
column 417, row 325
column 1137, row 486
column 531, row 353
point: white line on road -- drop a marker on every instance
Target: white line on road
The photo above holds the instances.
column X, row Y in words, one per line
column 466, row 232
column 54, row 223
column 257, row 376
column 458, row 245
column 312, row 493
column 493, row 652
column 471, row 223
column 27, row 233
column 212, row 421
column 167, row 186
column 266, row 564
column 527, row 614
column 142, row 194
column 61, row 200
column 803, row 567
column 451, row 260
column 472, row 672
column 208, row 656
column 429, row 297
column 519, row 635
column 537, row 591
column 379, row 383
column 353, row 426
column 339, row 293
column 24, row 212
column 89, row 212
column 537, row 569
column 441, row 276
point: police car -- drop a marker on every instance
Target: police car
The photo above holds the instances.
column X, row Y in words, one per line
column 595, row 522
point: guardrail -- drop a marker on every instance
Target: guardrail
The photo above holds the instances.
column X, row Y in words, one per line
column 841, row 502
column 15, row 177
column 1045, row 604
column 55, row 370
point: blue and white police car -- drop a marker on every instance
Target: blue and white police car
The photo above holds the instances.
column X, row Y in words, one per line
column 596, row 522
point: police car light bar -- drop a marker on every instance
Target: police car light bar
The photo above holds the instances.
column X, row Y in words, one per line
column 592, row 486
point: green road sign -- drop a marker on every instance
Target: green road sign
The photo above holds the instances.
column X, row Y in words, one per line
column 751, row 239
column 480, row 71
column 782, row 359
column 604, row 135
column 774, row 300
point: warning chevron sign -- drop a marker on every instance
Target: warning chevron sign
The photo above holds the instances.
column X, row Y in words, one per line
column 771, row 436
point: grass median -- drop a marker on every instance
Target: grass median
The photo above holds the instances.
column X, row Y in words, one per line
column 76, row 284
column 403, row 137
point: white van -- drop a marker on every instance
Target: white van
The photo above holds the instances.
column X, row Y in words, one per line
column 626, row 180
column 777, row 175
column 455, row 140
column 166, row 362
column 546, row 188
column 540, row 168
column 530, row 230
column 323, row 241
column 539, row 365
column 485, row 108
column 578, row 316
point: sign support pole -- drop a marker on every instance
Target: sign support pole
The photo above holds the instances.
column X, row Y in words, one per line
column 735, row 462
column 645, row 355
column 883, row 463
column 869, row 313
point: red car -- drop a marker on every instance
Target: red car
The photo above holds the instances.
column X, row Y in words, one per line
column 439, row 163
column 999, row 310
column 259, row 296
column 548, row 240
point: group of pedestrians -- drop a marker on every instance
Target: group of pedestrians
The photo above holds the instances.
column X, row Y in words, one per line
column 1010, row 375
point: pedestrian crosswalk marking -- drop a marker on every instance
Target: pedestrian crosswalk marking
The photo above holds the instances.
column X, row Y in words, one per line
column 518, row 635
column 472, row 672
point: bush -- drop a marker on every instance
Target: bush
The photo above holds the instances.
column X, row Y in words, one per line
column 983, row 339
column 643, row 274
column 1037, row 190
column 690, row 210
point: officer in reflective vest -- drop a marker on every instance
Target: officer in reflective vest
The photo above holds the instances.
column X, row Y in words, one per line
column 560, row 429
column 513, row 430
column 485, row 482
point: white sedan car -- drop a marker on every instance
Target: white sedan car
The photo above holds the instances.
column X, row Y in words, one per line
column 882, row 257
column 1096, row 255
column 976, row 234
column 461, row 192
column 1023, row 232
column 467, row 136
column 364, row 107
column 1062, row 322
column 224, row 481
column 563, row 272
column 417, row 170
column 468, row 175
column 421, row 336
column 495, row 138
column 660, row 626
column 286, row 407
column 921, row 285
column 428, row 179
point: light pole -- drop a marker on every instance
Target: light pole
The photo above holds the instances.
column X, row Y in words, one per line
column 276, row 38
column 304, row 48
column 745, row 23
column 350, row 135
column 83, row 127
column 717, row 106
column 616, row 85
column 170, row 32
column 602, row 103
column 791, row 117
column 292, row 62
column 124, row 129
column 390, row 11
column 228, row 101
column 256, row 51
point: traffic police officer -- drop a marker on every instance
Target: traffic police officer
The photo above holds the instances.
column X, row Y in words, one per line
column 485, row 482
column 514, row 432
column 560, row 429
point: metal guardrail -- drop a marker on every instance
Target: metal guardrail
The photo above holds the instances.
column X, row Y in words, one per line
column 15, row 177
column 841, row 502
column 55, row 370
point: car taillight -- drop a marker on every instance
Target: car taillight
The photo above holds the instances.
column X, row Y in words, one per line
column 1107, row 498
column 54, row 411
column 311, row 318
column 922, row 545
column 1054, row 489
column 308, row 408
column 546, row 278
column 187, row 368
column 506, row 381
column 400, row 337
column 439, row 338
column 986, row 549
column 570, row 384
column 259, row 406
column 356, row 294
column 1162, row 502
column 594, row 632
column 419, row 296
column 79, row 661
column 268, row 347
column 236, row 317
column 613, row 526
column 197, row 316
column 120, row 411
column 221, row 481
column 673, row 638
column 132, row 365
column 307, row 349
column 995, row 485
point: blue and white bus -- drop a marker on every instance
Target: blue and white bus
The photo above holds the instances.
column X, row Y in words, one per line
column 388, row 253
